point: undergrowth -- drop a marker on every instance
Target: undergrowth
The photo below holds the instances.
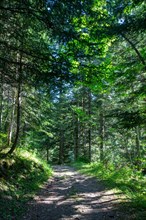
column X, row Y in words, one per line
column 25, row 173
column 129, row 181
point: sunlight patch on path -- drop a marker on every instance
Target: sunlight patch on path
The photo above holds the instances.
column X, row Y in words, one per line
column 72, row 196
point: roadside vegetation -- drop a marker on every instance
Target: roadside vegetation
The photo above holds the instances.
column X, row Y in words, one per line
column 20, row 178
column 130, row 182
column 72, row 85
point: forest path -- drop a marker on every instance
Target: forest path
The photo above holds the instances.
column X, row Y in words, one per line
column 70, row 195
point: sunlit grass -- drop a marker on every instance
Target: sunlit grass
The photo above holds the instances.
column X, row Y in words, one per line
column 131, row 182
column 25, row 175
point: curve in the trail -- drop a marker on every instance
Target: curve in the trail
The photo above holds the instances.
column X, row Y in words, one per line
column 70, row 195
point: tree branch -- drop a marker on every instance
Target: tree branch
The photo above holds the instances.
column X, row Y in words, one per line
column 135, row 49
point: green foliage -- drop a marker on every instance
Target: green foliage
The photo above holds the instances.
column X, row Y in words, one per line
column 81, row 160
column 3, row 137
column 24, row 175
column 99, row 46
column 129, row 181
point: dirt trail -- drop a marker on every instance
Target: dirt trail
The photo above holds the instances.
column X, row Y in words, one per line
column 72, row 196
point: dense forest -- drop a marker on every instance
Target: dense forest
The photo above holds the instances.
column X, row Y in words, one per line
column 73, row 81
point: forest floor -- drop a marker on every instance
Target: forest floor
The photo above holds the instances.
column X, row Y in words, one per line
column 69, row 195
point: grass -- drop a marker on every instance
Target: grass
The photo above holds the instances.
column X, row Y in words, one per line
column 131, row 183
column 25, row 175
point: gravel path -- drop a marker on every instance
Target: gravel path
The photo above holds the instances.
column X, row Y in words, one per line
column 70, row 195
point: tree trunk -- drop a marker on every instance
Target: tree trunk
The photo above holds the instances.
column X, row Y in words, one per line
column 17, row 121
column 125, row 143
column 137, row 142
column 47, row 149
column 83, row 127
column 76, row 132
column 61, row 147
column 101, row 133
column 10, row 130
column 89, row 130
column 18, row 106
column 1, row 104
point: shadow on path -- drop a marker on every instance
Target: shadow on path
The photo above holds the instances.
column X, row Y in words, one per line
column 73, row 196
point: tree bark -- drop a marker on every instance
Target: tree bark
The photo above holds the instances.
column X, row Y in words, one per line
column 61, row 147
column 47, row 149
column 137, row 142
column 89, row 130
column 83, row 126
column 61, row 130
column 101, row 133
column 76, row 132
column 10, row 130
column 17, row 121
column 1, row 103
column 18, row 107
